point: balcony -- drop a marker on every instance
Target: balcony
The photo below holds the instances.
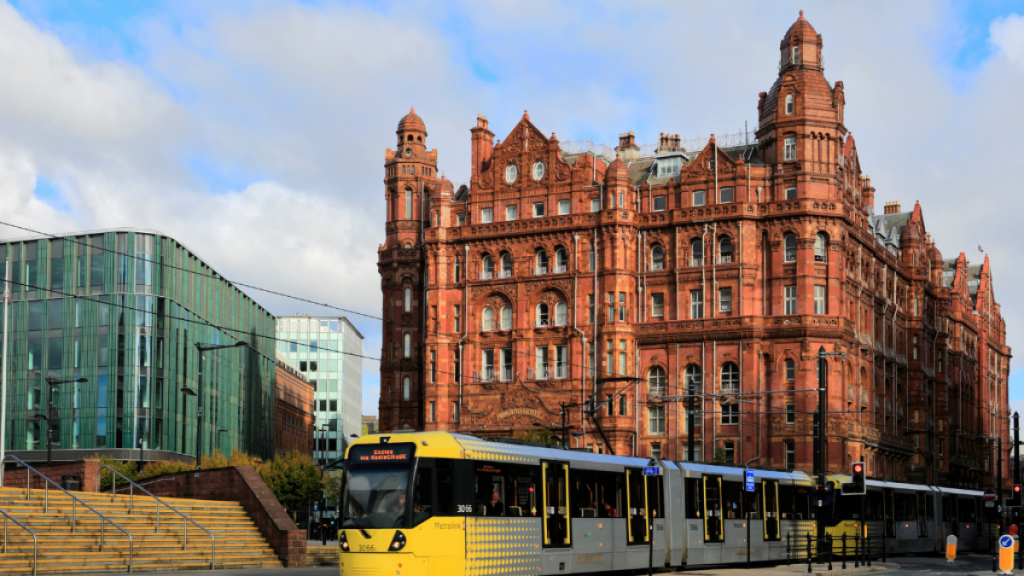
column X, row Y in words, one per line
column 889, row 353
column 506, row 374
column 539, row 373
column 505, row 274
column 655, row 391
column 487, row 275
column 901, row 359
column 656, row 267
column 790, row 256
column 485, row 375
column 727, row 259
column 560, row 269
column 561, row 370
column 696, row 262
column 540, row 271
column 543, row 323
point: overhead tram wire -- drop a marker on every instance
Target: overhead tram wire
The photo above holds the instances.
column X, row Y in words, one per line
column 399, row 364
column 216, row 276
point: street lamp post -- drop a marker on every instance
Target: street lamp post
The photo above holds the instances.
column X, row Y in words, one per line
column 199, row 406
column 185, row 393
column 52, row 383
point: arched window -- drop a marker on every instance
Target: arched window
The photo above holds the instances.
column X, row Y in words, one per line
column 542, row 314
column 541, row 267
column 820, row 248
column 407, row 345
column 790, row 370
column 656, row 382
column 789, row 245
column 561, row 261
column 697, row 253
column 486, row 267
column 561, row 314
column 657, row 258
column 405, row 389
column 506, row 318
column 506, row 265
column 488, row 323
column 795, row 58
column 408, row 245
column 407, row 300
column 789, row 103
column 730, row 377
column 725, row 251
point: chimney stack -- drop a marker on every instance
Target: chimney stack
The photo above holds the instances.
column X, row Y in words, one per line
column 892, row 207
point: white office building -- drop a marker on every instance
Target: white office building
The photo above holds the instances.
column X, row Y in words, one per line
column 328, row 350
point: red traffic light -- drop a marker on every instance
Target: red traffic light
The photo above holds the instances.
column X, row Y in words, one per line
column 1016, row 488
column 858, row 468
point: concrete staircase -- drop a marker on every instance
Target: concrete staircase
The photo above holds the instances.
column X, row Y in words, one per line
column 239, row 542
column 322, row 556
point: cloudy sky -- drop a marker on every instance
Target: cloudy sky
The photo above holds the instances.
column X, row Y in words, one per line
column 254, row 132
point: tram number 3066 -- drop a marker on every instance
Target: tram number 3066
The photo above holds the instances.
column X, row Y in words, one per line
column 465, row 508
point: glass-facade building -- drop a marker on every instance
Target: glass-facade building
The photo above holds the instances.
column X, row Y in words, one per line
column 124, row 309
column 327, row 350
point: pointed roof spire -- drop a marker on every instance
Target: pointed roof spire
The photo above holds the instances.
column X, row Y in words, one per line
column 801, row 15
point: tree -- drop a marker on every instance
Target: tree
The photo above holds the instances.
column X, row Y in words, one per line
column 538, row 435
column 719, row 455
column 333, row 486
column 126, row 467
column 294, row 479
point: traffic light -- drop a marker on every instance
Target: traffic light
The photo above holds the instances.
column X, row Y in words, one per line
column 1015, row 500
column 857, row 485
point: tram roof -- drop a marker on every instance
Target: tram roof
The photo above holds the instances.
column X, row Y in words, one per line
column 796, row 476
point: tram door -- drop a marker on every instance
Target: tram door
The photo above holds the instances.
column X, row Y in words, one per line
column 770, row 503
column 555, row 488
column 888, row 502
column 954, row 515
column 922, row 515
column 637, row 527
column 712, row 509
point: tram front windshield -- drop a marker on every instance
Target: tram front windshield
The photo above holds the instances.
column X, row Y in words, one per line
column 378, row 485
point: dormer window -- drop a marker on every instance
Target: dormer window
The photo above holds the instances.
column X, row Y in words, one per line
column 789, row 103
column 795, row 56
column 669, row 167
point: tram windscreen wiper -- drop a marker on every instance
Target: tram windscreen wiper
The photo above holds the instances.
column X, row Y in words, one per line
column 361, row 529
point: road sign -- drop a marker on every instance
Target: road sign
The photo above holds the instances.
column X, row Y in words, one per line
column 316, row 506
column 1006, row 541
column 1006, row 554
column 652, row 470
column 749, row 485
column 990, row 504
column 990, row 496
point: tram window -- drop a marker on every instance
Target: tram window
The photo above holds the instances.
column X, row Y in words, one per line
column 967, row 515
column 752, row 502
column 502, row 490
column 906, row 507
column 422, row 496
column 794, row 502
column 946, row 514
column 875, row 506
column 929, row 507
column 596, row 494
column 732, row 494
column 694, row 499
column 847, row 507
column 445, row 481
column 654, row 496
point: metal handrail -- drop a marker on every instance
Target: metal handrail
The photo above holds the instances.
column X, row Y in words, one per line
column 74, row 508
column 131, row 508
column 35, row 540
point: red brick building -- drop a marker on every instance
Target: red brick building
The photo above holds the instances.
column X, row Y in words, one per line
column 294, row 418
column 726, row 265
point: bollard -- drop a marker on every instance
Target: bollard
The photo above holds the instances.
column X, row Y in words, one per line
column 828, row 542
column 808, row 552
column 844, row 550
column 788, row 559
column 950, row 549
column 856, row 549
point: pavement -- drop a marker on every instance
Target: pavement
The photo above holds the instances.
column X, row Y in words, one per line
column 794, row 570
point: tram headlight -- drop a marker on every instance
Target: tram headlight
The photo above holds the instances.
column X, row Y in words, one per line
column 398, row 542
column 343, row 542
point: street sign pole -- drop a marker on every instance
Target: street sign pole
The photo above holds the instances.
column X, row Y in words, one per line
column 748, row 485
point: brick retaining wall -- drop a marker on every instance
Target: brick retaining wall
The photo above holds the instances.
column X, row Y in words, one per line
column 87, row 470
